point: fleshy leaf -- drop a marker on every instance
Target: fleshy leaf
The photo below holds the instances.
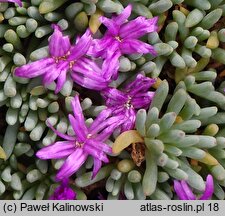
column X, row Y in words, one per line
column 209, row 159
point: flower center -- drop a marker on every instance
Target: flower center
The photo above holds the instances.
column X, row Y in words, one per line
column 71, row 64
column 128, row 104
column 118, row 38
column 79, row 145
column 62, row 58
column 89, row 136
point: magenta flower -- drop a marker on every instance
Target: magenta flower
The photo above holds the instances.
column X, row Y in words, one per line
column 134, row 96
column 87, row 141
column 122, row 36
column 184, row 192
column 64, row 58
column 13, row 1
column 63, row 192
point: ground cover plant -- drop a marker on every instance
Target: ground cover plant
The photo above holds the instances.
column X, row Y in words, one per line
column 109, row 99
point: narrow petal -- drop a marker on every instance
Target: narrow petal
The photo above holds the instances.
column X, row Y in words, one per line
column 187, row 190
column 87, row 68
column 50, row 75
column 81, row 136
column 61, row 80
column 104, row 124
column 122, row 17
column 95, row 153
column 13, row 1
column 114, row 96
column 88, row 83
column 140, row 84
column 100, row 47
column 59, row 45
column 81, row 48
column 131, row 46
column 209, row 188
column 89, row 64
column 99, row 119
column 129, row 120
column 72, row 164
column 57, row 150
column 112, row 27
column 34, row 69
column 180, row 191
column 107, row 132
column 111, row 65
column 100, row 146
column 78, row 114
column 142, row 102
column 64, row 136
column 138, row 27
column 97, row 166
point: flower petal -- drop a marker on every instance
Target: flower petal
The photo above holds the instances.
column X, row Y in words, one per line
column 129, row 120
column 89, row 69
column 107, row 132
column 89, row 65
column 187, row 190
column 142, row 101
column 88, row 83
column 131, row 46
column 57, row 150
column 80, row 49
column 111, row 65
column 112, row 27
column 95, row 153
column 105, row 124
column 122, row 17
column 72, row 164
column 138, row 27
column 50, row 75
column 78, row 114
column 100, row 47
column 179, row 190
column 209, row 189
column 61, row 80
column 97, row 166
column 140, row 84
column 113, row 96
column 99, row 119
column 80, row 134
column 34, row 69
column 59, row 45
column 100, row 146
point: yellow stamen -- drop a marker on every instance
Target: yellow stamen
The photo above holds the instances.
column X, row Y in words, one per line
column 128, row 104
column 118, row 38
column 79, row 145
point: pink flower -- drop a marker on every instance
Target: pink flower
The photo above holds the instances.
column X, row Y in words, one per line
column 63, row 58
column 122, row 36
column 134, row 96
column 63, row 192
column 184, row 192
column 87, row 141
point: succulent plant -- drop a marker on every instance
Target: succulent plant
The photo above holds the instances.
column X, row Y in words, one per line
column 180, row 136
